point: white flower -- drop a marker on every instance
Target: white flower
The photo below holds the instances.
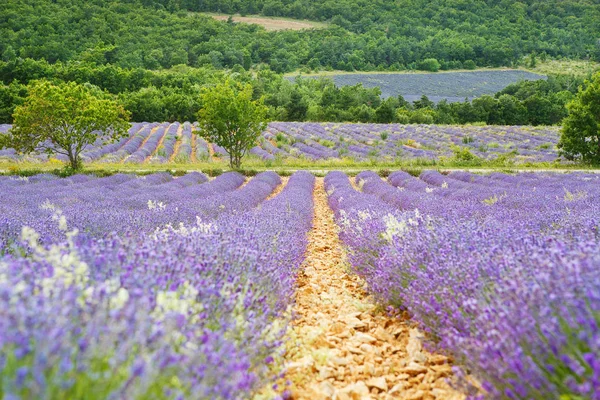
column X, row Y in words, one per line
column 156, row 205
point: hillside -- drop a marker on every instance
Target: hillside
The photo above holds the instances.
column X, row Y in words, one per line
column 363, row 35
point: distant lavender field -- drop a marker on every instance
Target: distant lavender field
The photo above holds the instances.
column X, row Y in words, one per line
column 161, row 143
column 452, row 86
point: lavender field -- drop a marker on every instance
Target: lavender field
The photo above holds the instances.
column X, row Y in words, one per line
column 450, row 86
column 165, row 143
column 147, row 287
column 159, row 287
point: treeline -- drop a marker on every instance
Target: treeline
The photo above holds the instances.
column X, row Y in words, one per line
column 362, row 35
column 174, row 95
column 541, row 102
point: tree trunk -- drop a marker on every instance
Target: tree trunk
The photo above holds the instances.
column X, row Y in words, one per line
column 74, row 160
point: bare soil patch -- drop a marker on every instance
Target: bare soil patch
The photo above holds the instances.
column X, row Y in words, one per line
column 273, row 24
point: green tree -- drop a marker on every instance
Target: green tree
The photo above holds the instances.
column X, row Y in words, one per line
column 231, row 119
column 429, row 64
column 9, row 54
column 580, row 135
column 65, row 118
column 297, row 107
column 11, row 96
column 386, row 112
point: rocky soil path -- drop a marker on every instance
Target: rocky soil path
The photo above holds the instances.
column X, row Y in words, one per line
column 343, row 346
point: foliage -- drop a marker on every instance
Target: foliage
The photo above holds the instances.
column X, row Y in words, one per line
column 580, row 137
column 174, row 94
column 231, row 119
column 429, row 64
column 158, row 34
column 64, row 119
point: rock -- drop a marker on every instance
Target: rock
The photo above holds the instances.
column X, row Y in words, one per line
column 327, row 389
column 357, row 391
column 383, row 335
column 398, row 388
column 414, row 369
column 325, row 372
column 339, row 361
column 442, row 370
column 337, row 327
column 414, row 346
column 320, row 341
column 367, row 348
column 345, row 334
column 438, row 359
column 341, row 396
column 369, row 368
column 418, row 395
column 363, row 338
column 398, row 332
column 420, row 358
column 305, row 362
column 354, row 322
column 378, row 383
column 340, row 373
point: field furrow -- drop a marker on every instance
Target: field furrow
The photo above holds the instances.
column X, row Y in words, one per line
column 343, row 346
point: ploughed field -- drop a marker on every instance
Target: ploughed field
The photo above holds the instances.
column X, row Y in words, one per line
column 160, row 143
column 159, row 287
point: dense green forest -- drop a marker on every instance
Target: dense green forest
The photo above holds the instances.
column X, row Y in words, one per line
column 362, row 35
column 156, row 55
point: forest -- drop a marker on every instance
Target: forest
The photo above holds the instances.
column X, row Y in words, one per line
column 362, row 35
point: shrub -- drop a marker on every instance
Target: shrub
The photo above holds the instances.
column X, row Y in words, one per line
column 429, row 64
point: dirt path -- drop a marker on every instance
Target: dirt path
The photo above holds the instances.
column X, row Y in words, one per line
column 342, row 346
column 278, row 189
column 193, row 155
column 177, row 143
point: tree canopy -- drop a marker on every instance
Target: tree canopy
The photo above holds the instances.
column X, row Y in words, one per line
column 580, row 136
column 65, row 118
column 361, row 35
column 231, row 119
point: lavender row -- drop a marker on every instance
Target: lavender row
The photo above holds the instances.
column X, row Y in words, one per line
column 184, row 153
column 97, row 150
column 124, row 204
column 149, row 145
column 166, row 150
column 131, row 146
column 508, row 284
